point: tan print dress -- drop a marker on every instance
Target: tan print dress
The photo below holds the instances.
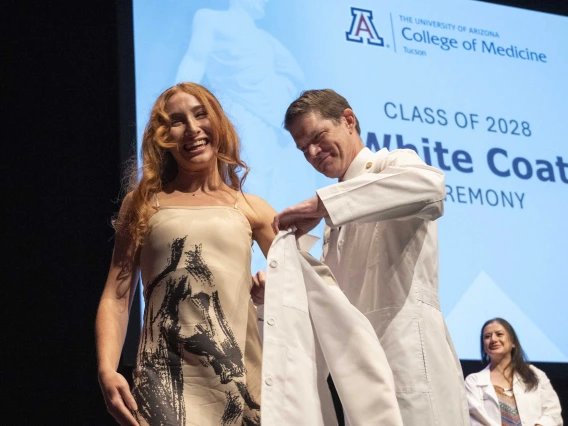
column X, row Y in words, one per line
column 199, row 357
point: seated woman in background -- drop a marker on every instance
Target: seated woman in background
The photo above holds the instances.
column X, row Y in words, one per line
column 509, row 391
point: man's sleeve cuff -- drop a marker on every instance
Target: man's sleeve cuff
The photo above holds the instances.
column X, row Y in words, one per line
column 336, row 204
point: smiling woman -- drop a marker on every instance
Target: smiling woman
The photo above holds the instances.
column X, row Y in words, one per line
column 509, row 391
column 187, row 228
column 190, row 130
column 184, row 117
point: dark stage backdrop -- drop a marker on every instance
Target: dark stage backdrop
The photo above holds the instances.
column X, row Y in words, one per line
column 60, row 181
column 67, row 87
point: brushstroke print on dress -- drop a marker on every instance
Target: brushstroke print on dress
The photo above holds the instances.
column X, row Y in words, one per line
column 159, row 380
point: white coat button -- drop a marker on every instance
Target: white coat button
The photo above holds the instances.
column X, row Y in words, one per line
column 273, row 264
column 271, row 321
column 268, row 381
column 340, row 243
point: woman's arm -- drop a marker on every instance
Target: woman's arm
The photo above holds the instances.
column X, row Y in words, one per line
column 112, row 322
column 260, row 215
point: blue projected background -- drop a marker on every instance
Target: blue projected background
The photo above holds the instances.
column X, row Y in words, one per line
column 479, row 90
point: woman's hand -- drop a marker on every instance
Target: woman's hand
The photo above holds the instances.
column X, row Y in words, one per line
column 118, row 398
column 257, row 290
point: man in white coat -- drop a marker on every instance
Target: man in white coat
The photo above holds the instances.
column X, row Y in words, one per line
column 381, row 243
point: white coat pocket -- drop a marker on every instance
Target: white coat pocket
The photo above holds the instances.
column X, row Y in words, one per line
column 400, row 338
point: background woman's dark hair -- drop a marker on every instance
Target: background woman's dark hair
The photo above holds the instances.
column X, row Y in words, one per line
column 519, row 360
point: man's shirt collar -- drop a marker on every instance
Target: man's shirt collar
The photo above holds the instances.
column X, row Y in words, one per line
column 362, row 163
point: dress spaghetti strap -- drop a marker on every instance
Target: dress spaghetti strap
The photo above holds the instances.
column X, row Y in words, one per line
column 236, row 207
column 237, row 201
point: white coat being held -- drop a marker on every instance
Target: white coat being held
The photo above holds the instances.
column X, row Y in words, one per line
column 311, row 331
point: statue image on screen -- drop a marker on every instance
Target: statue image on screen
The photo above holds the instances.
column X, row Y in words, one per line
column 255, row 77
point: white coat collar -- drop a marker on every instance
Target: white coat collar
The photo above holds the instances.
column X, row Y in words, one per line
column 485, row 379
column 306, row 242
column 362, row 163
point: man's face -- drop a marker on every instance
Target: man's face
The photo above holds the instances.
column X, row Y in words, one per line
column 329, row 147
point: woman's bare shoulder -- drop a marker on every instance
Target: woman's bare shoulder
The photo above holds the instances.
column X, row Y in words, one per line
column 258, row 203
column 258, row 210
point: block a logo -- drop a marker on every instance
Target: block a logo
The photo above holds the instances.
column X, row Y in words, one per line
column 362, row 28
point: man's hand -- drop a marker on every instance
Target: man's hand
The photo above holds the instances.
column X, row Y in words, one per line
column 257, row 290
column 302, row 217
column 118, row 399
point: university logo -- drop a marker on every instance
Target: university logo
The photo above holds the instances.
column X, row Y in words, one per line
column 362, row 28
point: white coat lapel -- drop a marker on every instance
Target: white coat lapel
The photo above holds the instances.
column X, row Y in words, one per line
column 486, row 387
column 521, row 394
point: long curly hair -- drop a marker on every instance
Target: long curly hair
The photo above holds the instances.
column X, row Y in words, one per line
column 158, row 164
column 519, row 360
